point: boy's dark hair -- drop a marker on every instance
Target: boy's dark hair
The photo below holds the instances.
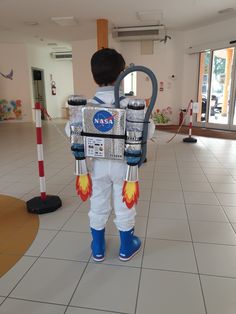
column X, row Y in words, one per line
column 106, row 65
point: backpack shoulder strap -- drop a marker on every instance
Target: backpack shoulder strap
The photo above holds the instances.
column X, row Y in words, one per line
column 101, row 102
column 120, row 99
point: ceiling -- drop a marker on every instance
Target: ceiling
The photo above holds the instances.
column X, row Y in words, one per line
column 30, row 21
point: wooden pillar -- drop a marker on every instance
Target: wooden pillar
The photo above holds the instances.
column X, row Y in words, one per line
column 102, row 33
column 229, row 55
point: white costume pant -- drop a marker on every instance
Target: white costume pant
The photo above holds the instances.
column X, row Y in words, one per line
column 107, row 179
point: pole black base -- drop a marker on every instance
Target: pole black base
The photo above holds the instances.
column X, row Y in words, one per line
column 38, row 206
column 190, row 140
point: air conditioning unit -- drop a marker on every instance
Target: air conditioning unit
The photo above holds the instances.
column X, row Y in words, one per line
column 62, row 55
column 139, row 33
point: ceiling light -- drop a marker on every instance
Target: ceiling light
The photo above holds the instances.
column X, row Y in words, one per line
column 226, row 11
column 155, row 16
column 65, row 21
column 5, row 28
column 61, row 48
column 52, row 44
column 31, row 23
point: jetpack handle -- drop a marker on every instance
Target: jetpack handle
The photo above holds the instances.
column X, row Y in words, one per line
column 139, row 68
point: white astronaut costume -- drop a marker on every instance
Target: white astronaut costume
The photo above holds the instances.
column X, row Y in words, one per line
column 107, row 181
column 113, row 180
column 108, row 176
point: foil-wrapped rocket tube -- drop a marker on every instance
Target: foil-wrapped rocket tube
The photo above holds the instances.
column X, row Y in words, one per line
column 83, row 181
column 134, row 127
column 130, row 189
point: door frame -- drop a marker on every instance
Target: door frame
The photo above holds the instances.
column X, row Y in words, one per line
column 43, row 83
column 232, row 107
column 232, row 98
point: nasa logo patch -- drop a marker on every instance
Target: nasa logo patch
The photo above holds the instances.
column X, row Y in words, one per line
column 103, row 121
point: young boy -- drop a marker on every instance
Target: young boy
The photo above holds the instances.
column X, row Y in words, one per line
column 108, row 175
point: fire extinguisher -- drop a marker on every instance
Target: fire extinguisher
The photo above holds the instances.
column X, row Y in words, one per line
column 181, row 116
column 53, row 88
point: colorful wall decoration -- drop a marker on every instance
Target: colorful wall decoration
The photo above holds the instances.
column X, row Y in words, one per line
column 7, row 76
column 10, row 110
column 162, row 116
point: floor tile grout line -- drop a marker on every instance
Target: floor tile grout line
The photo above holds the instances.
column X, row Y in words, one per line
column 145, row 237
column 180, row 240
column 73, row 293
column 161, row 239
column 190, row 273
column 219, row 161
column 87, row 264
column 64, row 305
column 91, row 262
column 133, row 266
column 4, row 299
column 195, row 256
column 137, row 267
column 97, row 310
column 34, row 301
column 222, row 207
column 36, row 171
column 37, row 258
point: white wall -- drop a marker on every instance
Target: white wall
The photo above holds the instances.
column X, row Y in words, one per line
column 210, row 35
column 14, row 56
column 21, row 58
column 216, row 32
column 62, row 74
column 165, row 61
column 83, row 80
column 82, row 52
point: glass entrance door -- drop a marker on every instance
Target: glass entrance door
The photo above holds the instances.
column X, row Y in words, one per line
column 233, row 114
column 216, row 89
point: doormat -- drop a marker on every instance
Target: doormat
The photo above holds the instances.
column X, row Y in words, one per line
column 197, row 131
column 18, row 229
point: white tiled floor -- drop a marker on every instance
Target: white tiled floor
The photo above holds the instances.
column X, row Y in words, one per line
column 186, row 219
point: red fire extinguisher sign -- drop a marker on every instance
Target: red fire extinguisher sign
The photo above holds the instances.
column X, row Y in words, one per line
column 161, row 89
column 53, row 88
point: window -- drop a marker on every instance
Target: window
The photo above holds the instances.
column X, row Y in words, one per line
column 130, row 84
column 215, row 82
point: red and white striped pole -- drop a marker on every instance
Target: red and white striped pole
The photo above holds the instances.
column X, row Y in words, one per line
column 39, row 138
column 190, row 139
column 45, row 203
column 190, row 118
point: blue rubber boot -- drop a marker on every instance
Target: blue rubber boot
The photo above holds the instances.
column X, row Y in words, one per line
column 130, row 245
column 98, row 244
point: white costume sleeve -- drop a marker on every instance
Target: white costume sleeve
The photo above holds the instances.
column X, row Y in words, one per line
column 67, row 128
column 151, row 129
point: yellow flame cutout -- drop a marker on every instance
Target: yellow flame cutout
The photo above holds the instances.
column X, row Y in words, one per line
column 130, row 193
column 84, row 186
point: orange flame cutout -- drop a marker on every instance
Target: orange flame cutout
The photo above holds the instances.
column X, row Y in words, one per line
column 130, row 193
column 84, row 186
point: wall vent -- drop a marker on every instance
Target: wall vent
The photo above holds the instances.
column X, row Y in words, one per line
column 66, row 55
column 139, row 33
